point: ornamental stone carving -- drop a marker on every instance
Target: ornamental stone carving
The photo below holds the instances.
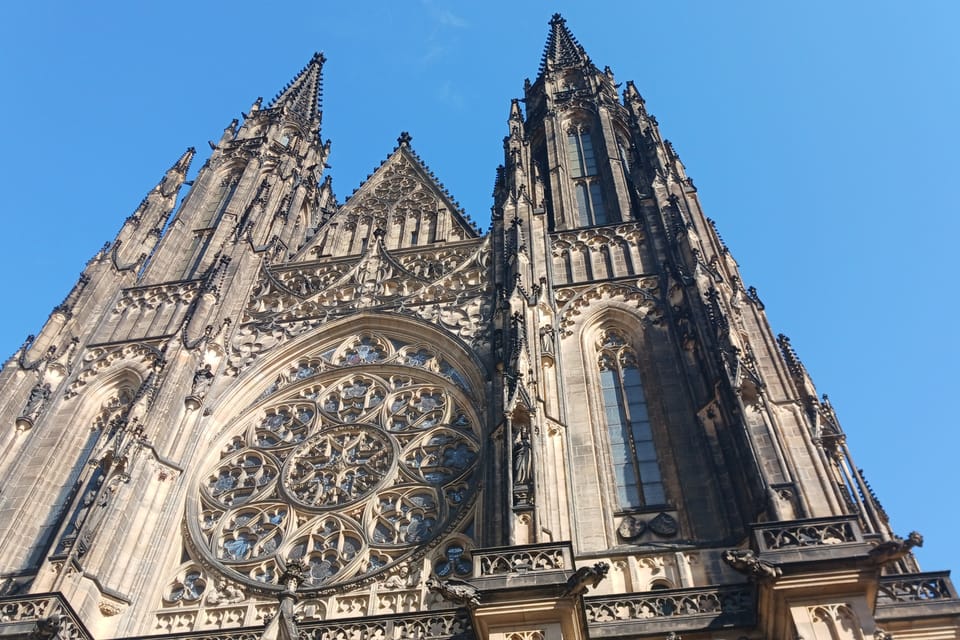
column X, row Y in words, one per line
column 344, row 466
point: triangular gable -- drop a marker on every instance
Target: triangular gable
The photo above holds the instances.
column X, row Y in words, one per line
column 404, row 199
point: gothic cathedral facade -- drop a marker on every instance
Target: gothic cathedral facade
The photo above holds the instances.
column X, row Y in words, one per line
column 264, row 413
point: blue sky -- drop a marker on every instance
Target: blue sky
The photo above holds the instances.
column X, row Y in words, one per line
column 822, row 136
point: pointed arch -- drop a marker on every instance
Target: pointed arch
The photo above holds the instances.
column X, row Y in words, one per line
column 387, row 410
column 74, row 477
column 636, row 469
column 623, row 422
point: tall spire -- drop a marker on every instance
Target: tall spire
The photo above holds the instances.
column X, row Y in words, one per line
column 303, row 95
column 562, row 49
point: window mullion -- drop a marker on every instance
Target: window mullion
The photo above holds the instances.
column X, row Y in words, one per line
column 628, row 423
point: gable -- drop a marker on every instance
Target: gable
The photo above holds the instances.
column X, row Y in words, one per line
column 403, row 198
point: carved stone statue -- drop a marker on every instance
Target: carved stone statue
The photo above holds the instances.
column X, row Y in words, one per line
column 293, row 576
column 404, row 578
column 745, row 561
column 896, row 549
column 84, row 509
column 89, row 518
column 586, row 577
column 547, row 338
column 456, row 591
column 35, row 403
column 202, row 380
column 38, row 397
column 522, row 459
column 225, row 593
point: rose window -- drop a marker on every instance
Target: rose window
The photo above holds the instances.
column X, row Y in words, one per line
column 344, row 470
column 338, row 466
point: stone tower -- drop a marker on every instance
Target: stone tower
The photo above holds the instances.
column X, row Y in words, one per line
column 262, row 412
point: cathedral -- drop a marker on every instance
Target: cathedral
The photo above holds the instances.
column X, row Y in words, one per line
column 263, row 413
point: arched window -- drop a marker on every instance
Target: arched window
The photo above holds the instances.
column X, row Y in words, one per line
column 583, row 169
column 580, row 152
column 590, row 209
column 632, row 450
column 623, row 149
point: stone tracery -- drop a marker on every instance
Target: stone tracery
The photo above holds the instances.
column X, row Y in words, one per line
column 344, row 466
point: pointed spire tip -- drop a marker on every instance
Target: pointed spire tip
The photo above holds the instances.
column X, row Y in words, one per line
column 562, row 49
column 302, row 95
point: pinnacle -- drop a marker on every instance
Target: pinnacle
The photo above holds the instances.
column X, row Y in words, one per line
column 562, row 49
column 183, row 162
column 515, row 112
column 303, row 95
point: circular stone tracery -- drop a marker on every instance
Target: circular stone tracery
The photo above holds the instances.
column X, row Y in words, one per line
column 349, row 471
column 338, row 467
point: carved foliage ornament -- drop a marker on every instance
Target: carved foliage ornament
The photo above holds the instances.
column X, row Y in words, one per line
column 576, row 300
column 455, row 297
column 348, row 471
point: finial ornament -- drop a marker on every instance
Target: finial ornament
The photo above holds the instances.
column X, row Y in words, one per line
column 404, row 139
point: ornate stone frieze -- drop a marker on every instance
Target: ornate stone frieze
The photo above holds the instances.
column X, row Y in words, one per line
column 732, row 603
column 139, row 355
column 526, row 559
column 454, row 297
column 595, row 236
column 807, row 533
column 53, row 617
column 153, row 297
column 376, row 279
column 596, row 253
column 916, row 588
column 574, row 301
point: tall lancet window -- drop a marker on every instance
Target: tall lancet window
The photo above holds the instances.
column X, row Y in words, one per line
column 633, row 453
column 580, row 151
column 583, row 169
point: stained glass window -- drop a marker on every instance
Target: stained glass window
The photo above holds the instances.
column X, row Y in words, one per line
column 633, row 452
column 345, row 467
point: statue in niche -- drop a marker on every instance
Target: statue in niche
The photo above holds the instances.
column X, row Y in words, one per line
column 522, row 459
column 35, row 402
column 88, row 499
column 547, row 338
column 202, row 379
column 93, row 517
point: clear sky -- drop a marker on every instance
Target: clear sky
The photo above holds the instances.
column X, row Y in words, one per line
column 822, row 136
